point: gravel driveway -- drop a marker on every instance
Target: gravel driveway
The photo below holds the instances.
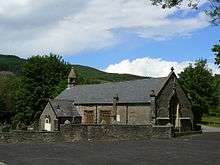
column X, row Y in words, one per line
column 198, row 149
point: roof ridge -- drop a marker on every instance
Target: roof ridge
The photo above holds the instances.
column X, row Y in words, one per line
column 117, row 82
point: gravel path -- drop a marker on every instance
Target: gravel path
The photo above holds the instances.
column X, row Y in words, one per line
column 203, row 149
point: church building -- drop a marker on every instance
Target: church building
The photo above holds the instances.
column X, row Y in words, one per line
column 156, row 101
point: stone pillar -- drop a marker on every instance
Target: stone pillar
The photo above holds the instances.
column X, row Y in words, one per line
column 153, row 107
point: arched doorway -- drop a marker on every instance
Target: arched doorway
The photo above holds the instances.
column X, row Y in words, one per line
column 47, row 123
column 173, row 109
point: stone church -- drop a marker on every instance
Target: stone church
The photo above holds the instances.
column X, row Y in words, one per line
column 156, row 101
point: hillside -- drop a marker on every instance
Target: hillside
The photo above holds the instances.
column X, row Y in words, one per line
column 93, row 75
column 10, row 63
column 85, row 74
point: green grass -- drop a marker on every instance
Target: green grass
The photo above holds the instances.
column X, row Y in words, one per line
column 211, row 121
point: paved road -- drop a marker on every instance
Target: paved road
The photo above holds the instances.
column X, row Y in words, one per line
column 206, row 128
column 198, row 149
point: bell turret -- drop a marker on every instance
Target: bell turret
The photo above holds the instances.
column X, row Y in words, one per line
column 71, row 78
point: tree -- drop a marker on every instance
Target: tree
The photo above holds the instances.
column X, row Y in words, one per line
column 2, row 110
column 199, row 83
column 216, row 50
column 213, row 11
column 41, row 78
column 8, row 86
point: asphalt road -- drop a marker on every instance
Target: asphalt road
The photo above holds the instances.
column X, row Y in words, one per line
column 197, row 149
column 206, row 128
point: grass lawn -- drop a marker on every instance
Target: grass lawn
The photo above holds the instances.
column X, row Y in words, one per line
column 211, row 121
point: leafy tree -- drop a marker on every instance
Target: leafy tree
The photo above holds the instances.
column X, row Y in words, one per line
column 199, row 83
column 41, row 78
column 2, row 110
column 8, row 86
column 216, row 50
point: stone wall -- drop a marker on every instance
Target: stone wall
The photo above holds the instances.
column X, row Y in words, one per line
column 114, row 132
column 30, row 137
column 71, row 133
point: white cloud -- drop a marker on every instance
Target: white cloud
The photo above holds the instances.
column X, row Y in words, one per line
column 69, row 27
column 10, row 8
column 152, row 67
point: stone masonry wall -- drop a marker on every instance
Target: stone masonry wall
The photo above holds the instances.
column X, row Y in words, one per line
column 30, row 137
column 71, row 133
column 114, row 132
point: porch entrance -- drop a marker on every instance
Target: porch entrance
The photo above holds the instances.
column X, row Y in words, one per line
column 173, row 109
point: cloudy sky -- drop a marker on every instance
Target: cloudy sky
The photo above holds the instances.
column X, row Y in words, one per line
column 124, row 36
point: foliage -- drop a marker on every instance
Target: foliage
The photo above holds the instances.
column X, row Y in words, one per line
column 2, row 109
column 198, row 82
column 215, row 109
column 8, row 86
column 40, row 77
column 211, row 120
column 213, row 11
column 216, row 50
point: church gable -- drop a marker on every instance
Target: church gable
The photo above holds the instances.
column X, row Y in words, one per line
column 47, row 118
column 169, row 99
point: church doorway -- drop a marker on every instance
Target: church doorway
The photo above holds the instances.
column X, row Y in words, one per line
column 47, row 124
column 173, row 109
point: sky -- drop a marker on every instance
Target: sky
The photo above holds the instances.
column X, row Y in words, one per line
column 119, row 36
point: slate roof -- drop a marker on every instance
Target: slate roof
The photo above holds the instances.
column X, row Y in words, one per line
column 63, row 108
column 134, row 91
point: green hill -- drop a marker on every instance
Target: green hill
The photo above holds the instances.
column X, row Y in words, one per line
column 92, row 75
column 85, row 74
column 10, row 63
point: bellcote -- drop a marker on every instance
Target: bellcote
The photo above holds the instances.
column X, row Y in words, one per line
column 71, row 78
